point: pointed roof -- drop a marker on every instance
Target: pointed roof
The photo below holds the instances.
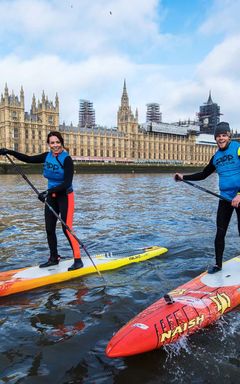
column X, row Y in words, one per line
column 56, row 100
column 210, row 98
column 6, row 90
column 124, row 100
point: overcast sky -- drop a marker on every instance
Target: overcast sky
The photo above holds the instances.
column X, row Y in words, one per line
column 169, row 51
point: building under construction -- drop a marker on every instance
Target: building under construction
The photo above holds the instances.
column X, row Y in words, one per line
column 86, row 114
column 153, row 113
column 209, row 116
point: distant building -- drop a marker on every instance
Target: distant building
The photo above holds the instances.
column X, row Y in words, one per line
column 161, row 143
column 27, row 131
column 209, row 116
column 86, row 114
column 153, row 113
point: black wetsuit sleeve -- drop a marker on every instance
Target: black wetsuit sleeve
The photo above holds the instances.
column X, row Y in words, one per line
column 38, row 159
column 68, row 176
column 207, row 171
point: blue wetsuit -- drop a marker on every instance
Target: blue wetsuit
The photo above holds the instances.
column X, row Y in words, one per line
column 227, row 164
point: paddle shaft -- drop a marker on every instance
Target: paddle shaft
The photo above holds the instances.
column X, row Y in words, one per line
column 19, row 170
column 206, row 190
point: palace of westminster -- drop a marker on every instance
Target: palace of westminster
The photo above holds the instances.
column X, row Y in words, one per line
column 151, row 142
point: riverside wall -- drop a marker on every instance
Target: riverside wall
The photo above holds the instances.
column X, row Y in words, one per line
column 99, row 168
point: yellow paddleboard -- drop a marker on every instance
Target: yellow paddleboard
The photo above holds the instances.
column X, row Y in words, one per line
column 25, row 279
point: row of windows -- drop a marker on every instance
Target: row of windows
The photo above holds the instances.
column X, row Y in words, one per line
column 147, row 147
column 29, row 134
column 133, row 154
column 29, row 149
column 114, row 141
column 174, row 153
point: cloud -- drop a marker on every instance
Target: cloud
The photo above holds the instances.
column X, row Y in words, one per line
column 219, row 71
column 79, row 50
column 78, row 28
column 222, row 18
column 72, row 81
column 223, row 60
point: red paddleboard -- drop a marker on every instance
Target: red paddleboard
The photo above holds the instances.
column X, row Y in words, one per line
column 192, row 306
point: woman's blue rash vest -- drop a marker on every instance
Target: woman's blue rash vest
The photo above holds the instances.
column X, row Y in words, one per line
column 53, row 169
column 227, row 164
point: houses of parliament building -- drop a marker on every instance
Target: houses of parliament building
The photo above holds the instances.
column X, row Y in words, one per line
column 164, row 143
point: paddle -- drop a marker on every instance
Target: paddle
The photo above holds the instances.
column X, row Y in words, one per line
column 19, row 170
column 205, row 190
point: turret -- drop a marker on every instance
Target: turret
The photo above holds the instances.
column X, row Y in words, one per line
column 34, row 106
column 6, row 95
column 136, row 114
column 22, row 97
column 6, row 91
column 43, row 100
column 57, row 102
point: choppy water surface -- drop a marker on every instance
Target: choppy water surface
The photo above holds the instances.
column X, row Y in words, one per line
column 58, row 334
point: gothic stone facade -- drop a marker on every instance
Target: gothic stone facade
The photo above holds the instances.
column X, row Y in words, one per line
column 26, row 132
column 128, row 142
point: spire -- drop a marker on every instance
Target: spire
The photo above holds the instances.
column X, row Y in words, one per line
column 210, row 98
column 56, row 101
column 43, row 97
column 6, row 90
column 124, row 100
column 33, row 102
column 43, row 103
column 21, row 92
column 22, row 96
column 136, row 114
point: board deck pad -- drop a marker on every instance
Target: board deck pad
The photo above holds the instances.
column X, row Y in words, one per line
column 25, row 279
column 195, row 305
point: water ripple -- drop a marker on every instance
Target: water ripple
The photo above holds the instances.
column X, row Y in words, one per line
column 58, row 334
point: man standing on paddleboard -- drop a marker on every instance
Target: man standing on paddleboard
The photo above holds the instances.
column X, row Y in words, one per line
column 226, row 162
column 58, row 169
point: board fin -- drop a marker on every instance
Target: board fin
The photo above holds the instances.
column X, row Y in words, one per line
column 168, row 298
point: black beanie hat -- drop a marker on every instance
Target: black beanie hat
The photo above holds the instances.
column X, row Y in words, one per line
column 222, row 127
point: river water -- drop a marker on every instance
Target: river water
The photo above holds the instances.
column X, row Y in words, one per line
column 58, row 334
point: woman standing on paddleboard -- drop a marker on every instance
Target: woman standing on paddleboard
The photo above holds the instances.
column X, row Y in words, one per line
column 226, row 162
column 58, row 169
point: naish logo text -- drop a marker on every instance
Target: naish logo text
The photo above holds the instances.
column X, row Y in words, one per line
column 182, row 328
column 226, row 159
